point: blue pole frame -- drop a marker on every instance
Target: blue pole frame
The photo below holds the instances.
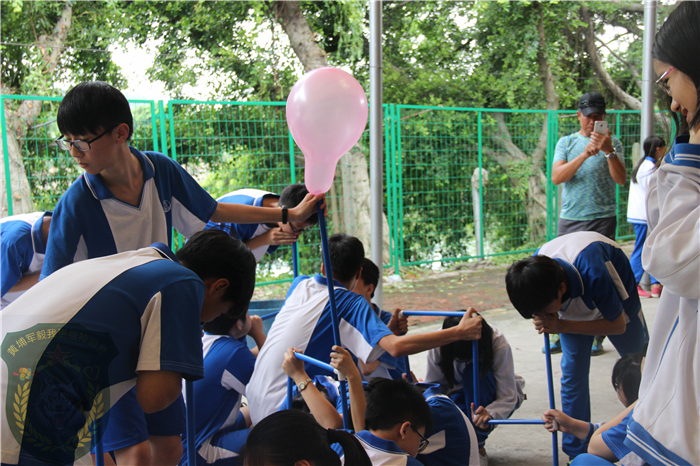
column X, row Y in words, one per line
column 475, row 361
column 331, row 298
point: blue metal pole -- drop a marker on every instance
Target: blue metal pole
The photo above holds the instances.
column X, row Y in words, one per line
column 552, row 404
column 434, row 313
column 314, row 361
column 331, row 298
column 270, row 315
column 290, row 384
column 516, row 421
column 99, row 454
column 189, row 394
column 295, row 263
column 475, row 373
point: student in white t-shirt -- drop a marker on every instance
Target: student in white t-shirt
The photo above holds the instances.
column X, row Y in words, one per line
column 304, row 323
column 654, row 150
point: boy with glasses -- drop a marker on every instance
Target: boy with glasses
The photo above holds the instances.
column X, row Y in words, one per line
column 268, row 236
column 396, row 422
column 126, row 200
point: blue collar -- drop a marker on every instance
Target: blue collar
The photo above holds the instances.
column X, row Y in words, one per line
column 575, row 282
column 431, row 389
column 683, row 153
column 379, row 443
column 38, row 234
column 101, row 192
column 165, row 251
column 322, row 280
column 651, row 159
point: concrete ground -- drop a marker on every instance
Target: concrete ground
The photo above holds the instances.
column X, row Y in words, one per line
column 531, row 445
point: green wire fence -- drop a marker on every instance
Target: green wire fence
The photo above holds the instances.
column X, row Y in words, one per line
column 459, row 183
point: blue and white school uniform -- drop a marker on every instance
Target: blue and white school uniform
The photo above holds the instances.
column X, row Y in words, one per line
column 304, row 322
column 21, row 251
column 90, row 222
column 601, row 286
column 665, row 424
column 243, row 231
column 500, row 391
column 387, row 370
column 73, row 344
column 453, row 439
column 228, row 365
column 637, row 214
column 383, row 452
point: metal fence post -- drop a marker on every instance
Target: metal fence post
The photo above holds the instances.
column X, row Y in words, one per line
column 6, row 156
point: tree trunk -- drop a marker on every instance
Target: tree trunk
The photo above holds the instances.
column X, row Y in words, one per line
column 536, row 204
column 18, row 122
column 355, row 201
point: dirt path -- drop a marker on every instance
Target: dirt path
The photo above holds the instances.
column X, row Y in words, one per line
column 480, row 286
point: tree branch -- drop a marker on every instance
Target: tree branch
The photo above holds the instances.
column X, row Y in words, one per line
column 600, row 71
column 629, row 65
column 627, row 6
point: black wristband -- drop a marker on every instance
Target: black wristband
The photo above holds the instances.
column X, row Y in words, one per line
column 284, row 215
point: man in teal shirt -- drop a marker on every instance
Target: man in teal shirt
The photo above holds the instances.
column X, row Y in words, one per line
column 589, row 164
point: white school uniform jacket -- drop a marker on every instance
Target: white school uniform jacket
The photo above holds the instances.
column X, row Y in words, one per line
column 636, row 203
column 665, row 426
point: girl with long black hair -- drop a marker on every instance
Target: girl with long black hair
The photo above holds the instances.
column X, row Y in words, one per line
column 665, row 425
column 500, row 389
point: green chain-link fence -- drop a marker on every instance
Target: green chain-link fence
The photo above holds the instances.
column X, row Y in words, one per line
column 460, row 183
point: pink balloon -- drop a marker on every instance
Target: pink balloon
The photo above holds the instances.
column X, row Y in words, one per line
column 326, row 114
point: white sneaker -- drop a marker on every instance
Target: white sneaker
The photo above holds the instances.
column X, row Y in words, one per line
column 483, row 459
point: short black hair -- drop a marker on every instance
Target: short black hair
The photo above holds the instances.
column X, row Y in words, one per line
column 533, row 283
column 223, row 324
column 391, row 402
column 91, row 107
column 288, row 436
column 347, row 254
column 370, row 274
column 215, row 254
column 292, row 196
column 628, row 374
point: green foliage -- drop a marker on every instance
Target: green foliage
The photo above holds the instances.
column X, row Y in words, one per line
column 94, row 27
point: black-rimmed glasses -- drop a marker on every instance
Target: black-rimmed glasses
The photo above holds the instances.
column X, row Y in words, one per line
column 424, row 442
column 82, row 146
column 662, row 82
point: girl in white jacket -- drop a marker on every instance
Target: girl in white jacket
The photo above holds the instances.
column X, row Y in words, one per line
column 654, row 150
column 665, row 425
